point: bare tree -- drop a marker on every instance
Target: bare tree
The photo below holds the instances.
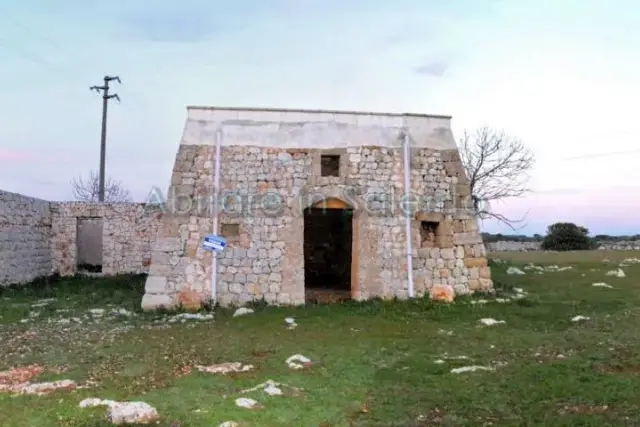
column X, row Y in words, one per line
column 88, row 191
column 497, row 166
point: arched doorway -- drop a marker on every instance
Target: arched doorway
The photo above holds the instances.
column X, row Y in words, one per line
column 328, row 251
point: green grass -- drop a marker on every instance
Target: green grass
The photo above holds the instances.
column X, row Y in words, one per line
column 374, row 362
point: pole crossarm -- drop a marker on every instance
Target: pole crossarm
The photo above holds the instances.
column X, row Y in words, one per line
column 103, row 136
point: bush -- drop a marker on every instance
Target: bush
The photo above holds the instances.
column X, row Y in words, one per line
column 566, row 236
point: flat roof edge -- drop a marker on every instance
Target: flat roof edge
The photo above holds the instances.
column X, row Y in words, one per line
column 317, row 111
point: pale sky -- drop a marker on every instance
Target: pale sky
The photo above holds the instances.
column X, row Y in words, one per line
column 561, row 75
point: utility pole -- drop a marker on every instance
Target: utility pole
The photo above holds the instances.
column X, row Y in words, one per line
column 103, row 137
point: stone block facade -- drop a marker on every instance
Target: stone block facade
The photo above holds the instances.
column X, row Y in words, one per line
column 272, row 167
column 38, row 237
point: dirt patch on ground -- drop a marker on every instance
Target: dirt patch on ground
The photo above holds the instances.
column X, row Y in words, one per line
column 582, row 409
column 617, row 368
column 18, row 375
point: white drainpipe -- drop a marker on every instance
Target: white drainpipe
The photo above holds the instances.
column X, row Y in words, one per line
column 407, row 224
column 216, row 183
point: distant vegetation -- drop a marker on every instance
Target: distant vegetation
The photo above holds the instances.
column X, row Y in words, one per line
column 489, row 238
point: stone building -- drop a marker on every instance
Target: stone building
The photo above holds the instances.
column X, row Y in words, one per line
column 313, row 202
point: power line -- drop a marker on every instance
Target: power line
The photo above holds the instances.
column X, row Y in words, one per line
column 24, row 54
column 67, row 52
column 103, row 137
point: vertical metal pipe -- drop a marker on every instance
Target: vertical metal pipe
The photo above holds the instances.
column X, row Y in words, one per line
column 216, row 184
column 407, row 224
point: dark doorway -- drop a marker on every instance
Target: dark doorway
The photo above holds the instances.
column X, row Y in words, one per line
column 89, row 244
column 328, row 233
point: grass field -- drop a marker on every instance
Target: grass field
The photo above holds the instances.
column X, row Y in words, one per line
column 375, row 364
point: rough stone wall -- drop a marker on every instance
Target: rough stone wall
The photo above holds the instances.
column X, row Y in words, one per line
column 508, row 246
column 454, row 255
column 39, row 238
column 128, row 230
column 262, row 218
column 25, row 226
column 623, row 245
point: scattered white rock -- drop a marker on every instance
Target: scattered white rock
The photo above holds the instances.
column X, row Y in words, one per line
column 225, row 368
column 39, row 389
column 229, row 424
column 273, row 390
column 490, row 322
column 298, row 361
column 271, row 387
column 473, row 368
column 579, row 318
column 479, row 301
column 94, row 401
column 549, row 268
column 132, row 413
column 245, row 402
column 602, row 285
column 122, row 312
column 124, row 412
column 445, row 332
column 97, row 311
column 617, row 273
column 43, row 302
column 291, row 322
column 183, row 317
column 446, row 356
column 242, row 311
column 515, row 270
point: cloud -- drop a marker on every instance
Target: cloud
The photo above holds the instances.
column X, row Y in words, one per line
column 16, row 155
column 434, row 68
column 192, row 21
column 174, row 27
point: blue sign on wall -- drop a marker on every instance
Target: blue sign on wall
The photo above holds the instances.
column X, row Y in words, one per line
column 211, row 242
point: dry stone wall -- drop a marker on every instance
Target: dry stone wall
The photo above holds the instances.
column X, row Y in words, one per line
column 512, row 246
column 39, row 238
column 25, row 227
column 128, row 230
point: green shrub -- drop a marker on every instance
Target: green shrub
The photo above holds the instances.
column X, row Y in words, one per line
column 566, row 236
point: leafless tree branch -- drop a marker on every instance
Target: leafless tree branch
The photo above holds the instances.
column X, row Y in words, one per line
column 88, row 191
column 497, row 166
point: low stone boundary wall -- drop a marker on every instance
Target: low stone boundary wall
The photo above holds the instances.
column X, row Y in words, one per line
column 510, row 246
column 39, row 238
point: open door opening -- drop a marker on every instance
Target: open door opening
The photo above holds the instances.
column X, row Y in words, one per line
column 89, row 245
column 328, row 250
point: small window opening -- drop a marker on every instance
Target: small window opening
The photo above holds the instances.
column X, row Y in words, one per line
column 330, row 165
column 230, row 230
column 428, row 231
